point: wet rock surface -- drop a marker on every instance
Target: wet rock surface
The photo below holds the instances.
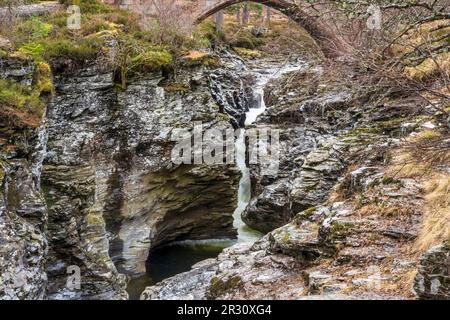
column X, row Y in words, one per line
column 23, row 244
column 111, row 190
column 433, row 278
column 95, row 188
column 328, row 237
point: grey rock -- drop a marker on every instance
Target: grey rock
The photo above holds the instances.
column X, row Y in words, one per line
column 433, row 278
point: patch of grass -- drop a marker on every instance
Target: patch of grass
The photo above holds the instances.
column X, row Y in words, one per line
column 152, row 59
column 430, row 68
column 428, row 135
column 19, row 105
column 88, row 6
column 76, row 50
column 436, row 223
column 404, row 166
column 385, row 209
column 30, row 30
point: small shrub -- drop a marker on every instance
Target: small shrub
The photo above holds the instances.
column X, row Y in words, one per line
column 243, row 41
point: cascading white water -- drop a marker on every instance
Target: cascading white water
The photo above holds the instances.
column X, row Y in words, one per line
column 181, row 255
column 245, row 233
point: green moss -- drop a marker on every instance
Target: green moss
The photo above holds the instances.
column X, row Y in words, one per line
column 340, row 229
column 247, row 53
column 152, row 59
column 32, row 49
column 218, row 287
column 245, row 39
column 304, row 215
column 44, row 82
column 224, row 117
column 13, row 94
column 198, row 58
column 244, row 42
column 76, row 50
column 2, row 172
column 3, row 53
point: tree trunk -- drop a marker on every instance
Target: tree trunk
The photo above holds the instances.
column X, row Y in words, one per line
column 219, row 21
column 268, row 16
column 246, row 14
column 238, row 15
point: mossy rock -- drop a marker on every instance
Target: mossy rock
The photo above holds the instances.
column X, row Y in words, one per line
column 247, row 53
column 198, row 58
column 78, row 51
column 219, row 287
column 176, row 87
column 44, row 82
column 339, row 230
column 305, row 215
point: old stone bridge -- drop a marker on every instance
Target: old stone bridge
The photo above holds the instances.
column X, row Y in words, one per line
column 319, row 30
column 330, row 44
column 327, row 40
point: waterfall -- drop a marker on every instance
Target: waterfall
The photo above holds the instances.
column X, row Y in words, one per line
column 245, row 233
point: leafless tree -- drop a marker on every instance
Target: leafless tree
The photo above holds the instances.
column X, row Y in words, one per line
column 246, row 14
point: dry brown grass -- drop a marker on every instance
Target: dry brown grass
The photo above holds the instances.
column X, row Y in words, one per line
column 436, row 223
column 425, row 158
column 404, row 165
column 386, row 209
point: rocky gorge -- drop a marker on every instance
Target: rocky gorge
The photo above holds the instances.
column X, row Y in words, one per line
column 94, row 188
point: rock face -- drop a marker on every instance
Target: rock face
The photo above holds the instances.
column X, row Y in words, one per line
column 312, row 156
column 23, row 244
column 112, row 192
column 115, row 193
column 23, row 211
column 433, row 278
column 339, row 226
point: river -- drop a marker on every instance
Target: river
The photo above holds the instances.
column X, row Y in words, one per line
column 179, row 257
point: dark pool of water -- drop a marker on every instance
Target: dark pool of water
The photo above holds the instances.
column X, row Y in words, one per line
column 168, row 261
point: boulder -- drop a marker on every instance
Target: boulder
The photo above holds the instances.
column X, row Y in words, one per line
column 433, row 277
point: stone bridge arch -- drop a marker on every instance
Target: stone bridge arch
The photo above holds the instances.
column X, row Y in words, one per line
column 330, row 44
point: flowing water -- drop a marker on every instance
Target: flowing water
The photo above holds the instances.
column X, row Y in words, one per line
column 263, row 76
column 179, row 257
